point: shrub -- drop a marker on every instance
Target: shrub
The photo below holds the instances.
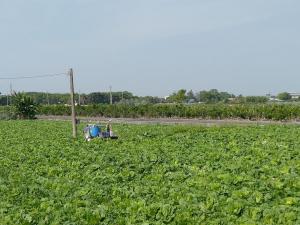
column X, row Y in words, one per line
column 24, row 106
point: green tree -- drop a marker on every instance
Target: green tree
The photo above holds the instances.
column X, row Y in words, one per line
column 213, row 96
column 3, row 99
column 191, row 96
column 24, row 106
column 178, row 97
column 284, row 96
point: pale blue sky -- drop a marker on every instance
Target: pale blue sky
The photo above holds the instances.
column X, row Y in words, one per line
column 152, row 47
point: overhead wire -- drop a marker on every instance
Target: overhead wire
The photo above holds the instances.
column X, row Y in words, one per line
column 32, row 77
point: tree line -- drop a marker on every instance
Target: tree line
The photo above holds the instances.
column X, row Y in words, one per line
column 276, row 112
column 125, row 97
column 27, row 105
column 43, row 98
column 215, row 96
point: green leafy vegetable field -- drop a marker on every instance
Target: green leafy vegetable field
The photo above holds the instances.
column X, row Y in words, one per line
column 153, row 174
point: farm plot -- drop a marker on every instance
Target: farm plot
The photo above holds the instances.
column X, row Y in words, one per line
column 151, row 175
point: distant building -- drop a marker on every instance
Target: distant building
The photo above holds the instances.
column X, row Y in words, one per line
column 191, row 101
column 271, row 97
column 295, row 95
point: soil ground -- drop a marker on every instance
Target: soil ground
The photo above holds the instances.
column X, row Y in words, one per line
column 171, row 121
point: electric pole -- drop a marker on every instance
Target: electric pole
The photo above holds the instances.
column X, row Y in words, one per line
column 73, row 103
column 110, row 95
column 11, row 89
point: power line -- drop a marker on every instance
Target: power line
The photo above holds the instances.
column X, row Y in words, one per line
column 32, row 77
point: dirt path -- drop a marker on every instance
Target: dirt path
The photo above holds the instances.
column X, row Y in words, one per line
column 169, row 121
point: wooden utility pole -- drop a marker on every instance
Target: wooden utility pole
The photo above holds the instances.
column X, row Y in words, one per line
column 11, row 89
column 73, row 104
column 110, row 95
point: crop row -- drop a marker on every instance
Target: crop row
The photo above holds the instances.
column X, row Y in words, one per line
column 205, row 111
column 152, row 175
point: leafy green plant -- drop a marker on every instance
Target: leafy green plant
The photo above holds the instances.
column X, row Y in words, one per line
column 152, row 175
column 24, row 106
column 276, row 112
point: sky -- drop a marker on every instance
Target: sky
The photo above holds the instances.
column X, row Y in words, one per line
column 152, row 47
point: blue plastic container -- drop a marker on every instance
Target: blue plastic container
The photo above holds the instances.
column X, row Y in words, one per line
column 95, row 131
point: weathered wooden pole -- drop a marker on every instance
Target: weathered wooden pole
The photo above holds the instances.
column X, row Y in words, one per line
column 73, row 104
column 110, row 96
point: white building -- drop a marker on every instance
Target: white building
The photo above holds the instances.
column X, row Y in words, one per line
column 295, row 95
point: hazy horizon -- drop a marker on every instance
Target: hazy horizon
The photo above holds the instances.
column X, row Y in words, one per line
column 135, row 94
column 152, row 47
